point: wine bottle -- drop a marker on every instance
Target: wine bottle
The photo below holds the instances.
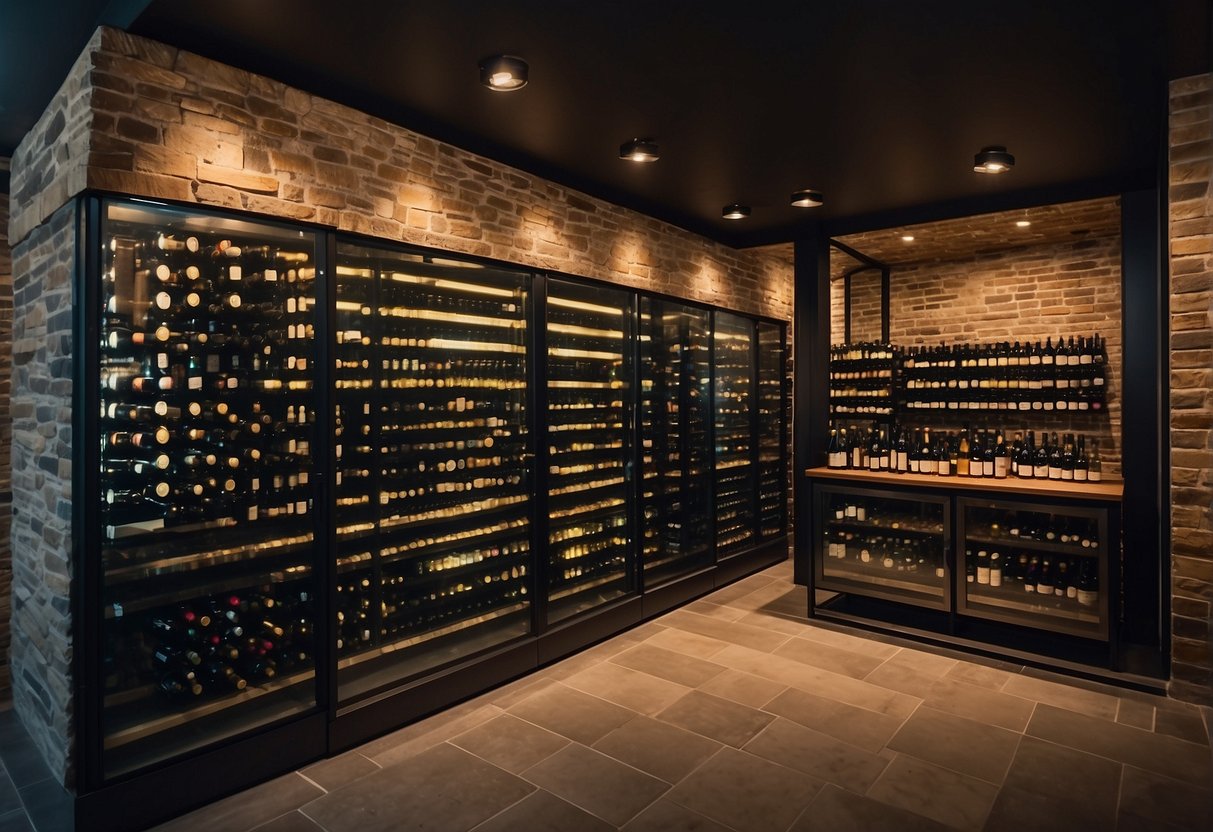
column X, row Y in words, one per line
column 1082, row 463
column 962, row 454
column 1001, row 458
column 1094, row 464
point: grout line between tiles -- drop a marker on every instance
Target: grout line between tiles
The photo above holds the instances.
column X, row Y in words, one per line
column 313, row 782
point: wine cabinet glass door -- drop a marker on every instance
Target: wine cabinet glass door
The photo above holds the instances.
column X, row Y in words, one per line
column 206, row 387
column 589, row 443
column 772, row 431
column 1035, row 565
column 883, row 544
column 676, row 455
column 432, row 489
column 734, row 367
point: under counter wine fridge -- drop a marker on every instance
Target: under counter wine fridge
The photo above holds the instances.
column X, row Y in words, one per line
column 432, row 484
column 205, row 499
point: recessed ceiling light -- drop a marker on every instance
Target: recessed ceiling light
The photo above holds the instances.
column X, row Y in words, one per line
column 1022, row 223
column 503, row 73
column 993, row 159
column 807, row 198
column 735, row 212
column 907, row 238
column 640, row 150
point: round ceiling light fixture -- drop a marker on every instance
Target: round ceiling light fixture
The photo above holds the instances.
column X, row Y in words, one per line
column 735, row 211
column 807, row 198
column 640, row 150
column 504, row 73
column 993, row 159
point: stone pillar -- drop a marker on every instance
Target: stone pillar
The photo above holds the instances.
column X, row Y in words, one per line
column 1191, row 354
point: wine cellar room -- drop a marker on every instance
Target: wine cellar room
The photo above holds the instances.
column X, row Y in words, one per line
column 437, row 429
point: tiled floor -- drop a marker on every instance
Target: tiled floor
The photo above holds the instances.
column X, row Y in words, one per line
column 736, row 713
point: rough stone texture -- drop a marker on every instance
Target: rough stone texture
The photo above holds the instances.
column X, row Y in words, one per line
column 1035, row 292
column 42, row 486
column 1191, row 341
column 6, row 485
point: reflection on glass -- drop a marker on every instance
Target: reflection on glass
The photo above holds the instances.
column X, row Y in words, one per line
column 589, row 482
column 432, row 507
column 675, row 414
column 733, row 352
column 206, row 509
column 772, row 479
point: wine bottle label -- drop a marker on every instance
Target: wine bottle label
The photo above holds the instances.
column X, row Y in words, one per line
column 1088, row 597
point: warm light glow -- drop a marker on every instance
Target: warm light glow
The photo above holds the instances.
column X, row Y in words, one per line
column 639, row 150
column 1022, row 223
column 807, row 199
column 735, row 212
column 907, row 238
column 503, row 73
column 994, row 159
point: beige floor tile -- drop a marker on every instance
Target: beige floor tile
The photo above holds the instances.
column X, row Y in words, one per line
column 837, row 810
column 715, row 718
column 243, row 810
column 423, row 735
column 510, row 743
column 744, row 635
column 980, row 704
column 335, row 772
column 775, row 622
column 1154, row 752
column 819, row 755
column 572, row 714
column 924, row 661
column 542, row 811
column 628, row 688
column 1061, row 695
column 828, row 657
column 1065, row 775
column 667, row 816
column 692, row 644
column 600, row 785
column 657, row 748
column 670, row 665
column 978, row 674
column 1158, row 798
column 860, row 727
column 903, row 678
column 935, row 792
column 1181, row 724
column 745, row 688
column 846, row 641
column 965, row 746
column 1135, row 713
column 720, row 612
column 746, row 793
column 290, row 822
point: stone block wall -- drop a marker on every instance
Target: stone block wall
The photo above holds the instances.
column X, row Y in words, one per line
column 1029, row 293
column 6, row 485
column 1191, row 377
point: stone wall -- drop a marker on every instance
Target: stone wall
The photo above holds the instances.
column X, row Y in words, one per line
column 6, row 485
column 1191, row 354
column 1029, row 293
column 42, row 485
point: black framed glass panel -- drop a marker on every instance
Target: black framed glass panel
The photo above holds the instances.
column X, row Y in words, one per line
column 432, row 488
column 675, row 436
column 733, row 355
column 205, row 485
column 589, row 438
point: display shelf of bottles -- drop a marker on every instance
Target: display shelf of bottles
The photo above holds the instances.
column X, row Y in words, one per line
column 431, row 484
column 1034, row 565
column 1003, row 376
column 204, row 485
column 589, row 444
column 863, row 379
column 884, row 545
column 733, row 348
column 1106, row 491
column 772, row 431
column 676, row 454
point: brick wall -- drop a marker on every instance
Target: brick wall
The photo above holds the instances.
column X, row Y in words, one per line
column 1191, row 353
column 6, row 565
column 865, row 308
column 141, row 118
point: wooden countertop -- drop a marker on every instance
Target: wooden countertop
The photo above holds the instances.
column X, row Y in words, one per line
column 1106, row 490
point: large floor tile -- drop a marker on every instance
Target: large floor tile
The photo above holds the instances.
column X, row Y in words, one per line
column 715, row 718
column 903, row 678
column 667, row 816
column 745, row 635
column 657, row 748
column 856, row 644
column 1182, row 724
column 572, row 714
column 973, row 748
column 746, row 793
column 746, row 688
column 980, row 704
column 828, row 657
column 337, row 771
column 420, row 736
column 1154, row 797
column 444, row 789
column 1066, row 696
column 692, row 644
column 8, row 794
column 1019, row 810
column 825, row 758
column 542, row 811
column 824, row 683
column 510, row 743
column 837, row 810
column 670, row 665
column 718, row 611
column 640, row 692
column 979, row 674
column 935, row 792
column 15, row 821
column 775, row 622
column 1136, row 714
column 858, row 726
column 1082, row 787
column 247, row 809
column 924, row 661
column 1153, row 752
column 596, row 783
column 290, row 822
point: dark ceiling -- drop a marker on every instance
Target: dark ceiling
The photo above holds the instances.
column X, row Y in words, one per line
column 879, row 104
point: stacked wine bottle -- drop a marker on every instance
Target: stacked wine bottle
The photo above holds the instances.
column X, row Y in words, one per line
column 863, row 379
column 735, row 475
